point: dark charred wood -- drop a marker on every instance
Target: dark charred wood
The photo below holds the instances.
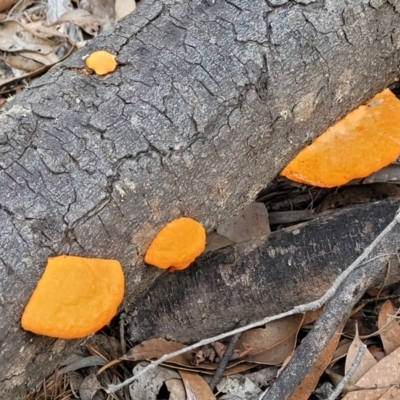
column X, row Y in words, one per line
column 244, row 283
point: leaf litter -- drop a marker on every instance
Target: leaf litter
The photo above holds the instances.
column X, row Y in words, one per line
column 35, row 36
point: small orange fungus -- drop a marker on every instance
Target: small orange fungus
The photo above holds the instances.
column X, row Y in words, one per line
column 177, row 245
column 363, row 142
column 101, row 62
column 75, row 297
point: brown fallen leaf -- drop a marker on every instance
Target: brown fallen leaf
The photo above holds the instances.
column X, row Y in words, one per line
column 176, row 389
column 196, row 387
column 367, row 361
column 250, row 222
column 6, row 4
column 15, row 37
column 274, row 343
column 270, row 346
column 383, row 374
column 311, row 316
column 308, row 384
column 123, row 8
column 90, row 23
column 388, row 327
column 341, row 350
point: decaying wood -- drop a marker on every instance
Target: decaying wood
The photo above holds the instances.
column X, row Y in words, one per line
column 208, row 104
column 247, row 282
column 369, row 273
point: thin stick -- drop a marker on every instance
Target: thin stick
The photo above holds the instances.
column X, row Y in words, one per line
column 224, row 361
column 312, row 306
column 350, row 372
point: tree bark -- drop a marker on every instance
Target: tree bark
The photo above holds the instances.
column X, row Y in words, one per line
column 208, row 104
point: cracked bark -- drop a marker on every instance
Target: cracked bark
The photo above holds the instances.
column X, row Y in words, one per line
column 208, row 104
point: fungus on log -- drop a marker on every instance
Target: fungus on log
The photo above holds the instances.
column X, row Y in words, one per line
column 75, row 297
column 208, row 104
column 177, row 245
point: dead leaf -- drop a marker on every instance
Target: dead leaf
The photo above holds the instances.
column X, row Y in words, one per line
column 153, row 349
column 82, row 362
column 147, row 386
column 385, row 372
column 341, row 350
column 273, row 343
column 46, row 32
column 367, row 362
column 5, row 71
column 19, row 62
column 196, row 387
column 391, row 173
column 15, row 37
column 388, row 327
column 310, row 381
column 105, row 346
column 6, row 4
column 215, row 242
column 270, row 345
column 83, row 18
column 311, row 316
column 251, row 222
column 123, row 8
column 241, row 387
column 176, row 389
column 89, row 387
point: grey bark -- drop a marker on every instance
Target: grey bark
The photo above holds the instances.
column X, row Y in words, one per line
column 240, row 284
column 208, row 104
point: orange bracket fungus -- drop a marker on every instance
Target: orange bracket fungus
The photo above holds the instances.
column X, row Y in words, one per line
column 177, row 245
column 363, row 142
column 75, row 297
column 101, row 62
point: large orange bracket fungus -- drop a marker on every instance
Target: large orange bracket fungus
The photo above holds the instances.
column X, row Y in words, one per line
column 177, row 245
column 363, row 142
column 75, row 297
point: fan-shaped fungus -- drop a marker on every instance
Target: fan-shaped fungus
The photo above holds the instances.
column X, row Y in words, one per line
column 177, row 245
column 102, row 62
column 75, row 297
column 363, row 142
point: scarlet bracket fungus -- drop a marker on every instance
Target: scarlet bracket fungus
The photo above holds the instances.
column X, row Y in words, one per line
column 75, row 297
column 102, row 62
column 363, row 142
column 177, row 245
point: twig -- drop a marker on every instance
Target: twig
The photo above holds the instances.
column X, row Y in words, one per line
column 122, row 333
column 312, row 306
column 350, row 372
column 224, row 361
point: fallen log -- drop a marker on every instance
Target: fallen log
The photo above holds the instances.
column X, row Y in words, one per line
column 240, row 284
column 208, row 103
